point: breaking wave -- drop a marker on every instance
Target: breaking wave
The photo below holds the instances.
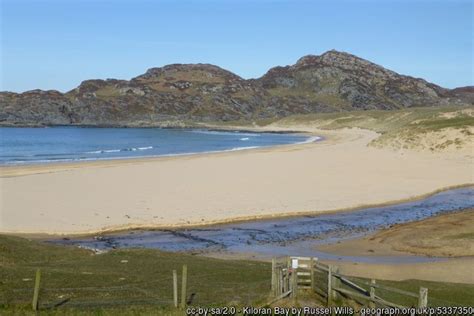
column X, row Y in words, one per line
column 231, row 133
column 107, row 151
column 311, row 140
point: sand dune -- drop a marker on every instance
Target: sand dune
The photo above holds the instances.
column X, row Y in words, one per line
column 340, row 172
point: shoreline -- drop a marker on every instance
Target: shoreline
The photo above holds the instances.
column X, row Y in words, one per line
column 114, row 230
column 311, row 138
column 18, row 170
column 53, row 163
column 337, row 146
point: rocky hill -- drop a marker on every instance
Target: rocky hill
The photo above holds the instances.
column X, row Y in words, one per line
column 332, row 82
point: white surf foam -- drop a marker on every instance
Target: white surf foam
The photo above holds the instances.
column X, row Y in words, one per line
column 311, row 139
column 242, row 148
column 201, row 131
column 107, row 151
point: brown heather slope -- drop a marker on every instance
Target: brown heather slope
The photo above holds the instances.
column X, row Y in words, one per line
column 180, row 93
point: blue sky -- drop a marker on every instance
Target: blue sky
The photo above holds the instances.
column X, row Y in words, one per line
column 57, row 44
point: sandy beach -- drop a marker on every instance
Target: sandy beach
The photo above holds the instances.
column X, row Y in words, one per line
column 339, row 173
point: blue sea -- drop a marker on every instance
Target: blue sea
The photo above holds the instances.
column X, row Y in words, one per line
column 66, row 144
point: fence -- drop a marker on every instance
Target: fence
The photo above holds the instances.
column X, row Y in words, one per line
column 174, row 290
column 291, row 274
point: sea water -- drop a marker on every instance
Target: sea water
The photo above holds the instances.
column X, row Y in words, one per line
column 64, row 144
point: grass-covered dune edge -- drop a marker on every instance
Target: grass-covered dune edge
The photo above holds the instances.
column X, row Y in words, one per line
column 434, row 129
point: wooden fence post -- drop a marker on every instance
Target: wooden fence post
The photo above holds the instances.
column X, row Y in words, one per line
column 175, row 288
column 372, row 294
column 283, row 277
column 288, row 279
column 288, row 275
column 278, row 282
column 336, row 283
column 184, row 281
column 329, row 286
column 423, row 297
column 274, row 277
column 36, row 290
column 311, row 271
column 294, row 283
column 284, row 286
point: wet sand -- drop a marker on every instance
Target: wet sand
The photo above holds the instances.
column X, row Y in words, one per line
column 339, row 173
column 448, row 235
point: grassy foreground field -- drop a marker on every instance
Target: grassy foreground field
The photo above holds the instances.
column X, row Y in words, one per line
column 139, row 282
column 112, row 281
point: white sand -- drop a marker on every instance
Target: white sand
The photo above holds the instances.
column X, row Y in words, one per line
column 338, row 173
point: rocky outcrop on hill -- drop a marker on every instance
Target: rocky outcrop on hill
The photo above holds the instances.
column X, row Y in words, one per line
column 462, row 94
column 333, row 81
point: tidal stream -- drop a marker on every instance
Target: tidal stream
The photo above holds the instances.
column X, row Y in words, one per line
column 286, row 236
